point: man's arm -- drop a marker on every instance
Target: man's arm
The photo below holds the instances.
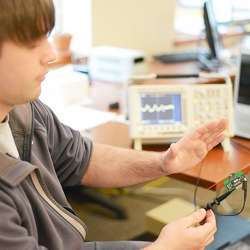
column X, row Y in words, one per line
column 116, row 167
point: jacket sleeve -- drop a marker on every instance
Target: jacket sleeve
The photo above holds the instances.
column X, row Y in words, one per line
column 13, row 235
column 70, row 151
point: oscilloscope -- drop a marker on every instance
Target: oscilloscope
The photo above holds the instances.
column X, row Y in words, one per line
column 163, row 113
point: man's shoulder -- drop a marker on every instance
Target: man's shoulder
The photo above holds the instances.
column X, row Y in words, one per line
column 20, row 118
column 23, row 116
column 26, row 110
column 42, row 113
column 40, row 107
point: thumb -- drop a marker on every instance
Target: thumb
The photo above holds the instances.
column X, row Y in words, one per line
column 195, row 218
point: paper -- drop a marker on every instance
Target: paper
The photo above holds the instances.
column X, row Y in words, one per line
column 82, row 118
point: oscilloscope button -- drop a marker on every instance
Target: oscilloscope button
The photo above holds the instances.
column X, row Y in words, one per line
column 140, row 130
column 150, row 128
column 158, row 128
column 179, row 127
column 167, row 128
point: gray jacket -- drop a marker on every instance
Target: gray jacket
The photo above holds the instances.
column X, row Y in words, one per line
column 34, row 211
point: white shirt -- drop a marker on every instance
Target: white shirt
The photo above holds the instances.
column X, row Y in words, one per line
column 7, row 143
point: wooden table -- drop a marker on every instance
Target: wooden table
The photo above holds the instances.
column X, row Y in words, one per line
column 216, row 167
column 218, row 164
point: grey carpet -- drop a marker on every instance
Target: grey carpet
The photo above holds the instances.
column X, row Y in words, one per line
column 103, row 226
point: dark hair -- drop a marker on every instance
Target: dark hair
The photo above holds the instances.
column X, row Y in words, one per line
column 25, row 21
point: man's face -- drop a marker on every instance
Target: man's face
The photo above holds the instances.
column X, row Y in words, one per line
column 22, row 69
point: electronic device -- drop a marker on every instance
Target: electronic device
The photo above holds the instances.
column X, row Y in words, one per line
column 212, row 33
column 242, row 96
column 208, row 61
column 115, row 65
column 233, row 182
column 163, row 113
column 184, row 56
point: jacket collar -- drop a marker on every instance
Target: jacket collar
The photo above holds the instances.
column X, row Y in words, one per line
column 21, row 124
column 13, row 171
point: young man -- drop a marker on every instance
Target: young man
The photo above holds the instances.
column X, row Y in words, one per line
column 39, row 155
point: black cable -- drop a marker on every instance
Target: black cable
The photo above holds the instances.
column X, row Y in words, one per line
column 218, row 200
column 244, row 187
column 197, row 185
column 174, row 76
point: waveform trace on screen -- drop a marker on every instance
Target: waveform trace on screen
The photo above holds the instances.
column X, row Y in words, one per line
column 157, row 108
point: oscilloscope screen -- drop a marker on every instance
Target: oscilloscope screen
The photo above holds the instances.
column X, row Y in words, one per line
column 160, row 108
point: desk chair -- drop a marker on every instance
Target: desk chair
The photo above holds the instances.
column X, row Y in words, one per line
column 83, row 194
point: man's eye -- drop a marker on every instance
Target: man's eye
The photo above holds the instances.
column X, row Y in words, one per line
column 32, row 45
column 38, row 42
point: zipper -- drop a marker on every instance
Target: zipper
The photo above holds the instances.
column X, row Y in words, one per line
column 75, row 222
column 28, row 142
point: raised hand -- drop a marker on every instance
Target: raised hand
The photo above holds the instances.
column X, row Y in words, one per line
column 193, row 147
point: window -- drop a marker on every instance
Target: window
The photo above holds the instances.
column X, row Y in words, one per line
column 189, row 14
column 74, row 17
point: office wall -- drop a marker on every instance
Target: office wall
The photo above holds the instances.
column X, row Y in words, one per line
column 137, row 24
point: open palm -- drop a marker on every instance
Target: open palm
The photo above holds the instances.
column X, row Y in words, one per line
column 193, row 147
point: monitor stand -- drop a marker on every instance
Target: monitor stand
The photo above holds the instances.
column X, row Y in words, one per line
column 209, row 64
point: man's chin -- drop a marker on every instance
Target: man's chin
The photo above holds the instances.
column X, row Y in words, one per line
column 36, row 95
column 33, row 97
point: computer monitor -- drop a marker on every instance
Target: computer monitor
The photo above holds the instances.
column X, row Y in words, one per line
column 212, row 34
column 243, row 80
column 208, row 60
column 242, row 96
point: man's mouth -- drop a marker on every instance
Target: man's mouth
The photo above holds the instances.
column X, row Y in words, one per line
column 41, row 77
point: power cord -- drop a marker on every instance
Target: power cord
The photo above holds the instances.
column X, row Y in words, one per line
column 197, row 185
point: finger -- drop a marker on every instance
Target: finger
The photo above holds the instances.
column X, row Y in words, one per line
column 210, row 236
column 214, row 137
column 195, row 218
column 212, row 129
column 209, row 241
column 220, row 126
column 207, row 138
column 203, row 233
column 216, row 141
column 210, row 217
column 190, row 134
column 206, row 229
column 204, row 239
